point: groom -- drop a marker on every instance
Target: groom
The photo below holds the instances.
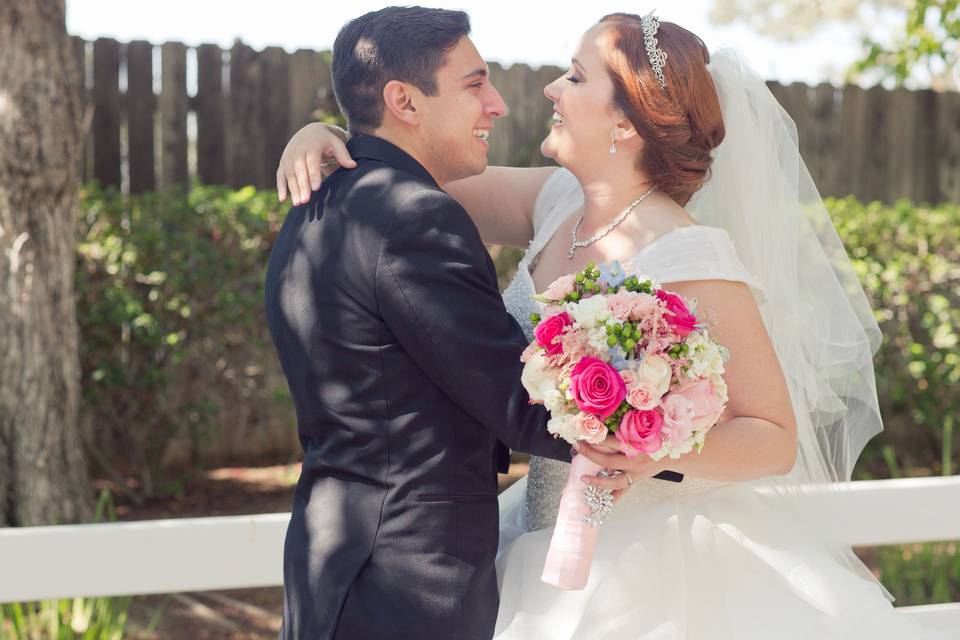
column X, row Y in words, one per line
column 403, row 364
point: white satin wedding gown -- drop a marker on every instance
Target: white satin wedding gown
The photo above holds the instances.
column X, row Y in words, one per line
column 697, row 560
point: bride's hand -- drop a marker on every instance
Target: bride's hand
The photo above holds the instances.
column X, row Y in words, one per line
column 301, row 169
column 609, row 456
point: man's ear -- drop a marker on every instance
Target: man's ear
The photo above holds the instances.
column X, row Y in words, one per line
column 400, row 100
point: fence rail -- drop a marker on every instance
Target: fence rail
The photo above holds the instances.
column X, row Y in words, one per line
column 165, row 114
column 233, row 552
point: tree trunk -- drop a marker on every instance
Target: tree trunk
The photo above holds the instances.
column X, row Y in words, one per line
column 43, row 469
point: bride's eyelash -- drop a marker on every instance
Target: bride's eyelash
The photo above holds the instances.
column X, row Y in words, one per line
column 573, row 79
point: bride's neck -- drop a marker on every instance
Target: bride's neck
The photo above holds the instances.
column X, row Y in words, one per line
column 606, row 196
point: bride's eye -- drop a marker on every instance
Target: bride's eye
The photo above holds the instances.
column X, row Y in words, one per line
column 574, row 79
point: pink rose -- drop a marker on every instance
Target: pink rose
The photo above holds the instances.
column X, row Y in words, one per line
column 681, row 320
column 639, row 432
column 643, row 396
column 560, row 288
column 705, row 406
column 620, row 304
column 677, row 418
column 630, row 378
column 550, row 329
column 597, row 387
column 590, row 428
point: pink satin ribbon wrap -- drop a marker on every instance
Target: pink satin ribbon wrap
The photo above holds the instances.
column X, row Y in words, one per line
column 571, row 548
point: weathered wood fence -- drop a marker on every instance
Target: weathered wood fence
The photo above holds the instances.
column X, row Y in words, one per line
column 149, row 131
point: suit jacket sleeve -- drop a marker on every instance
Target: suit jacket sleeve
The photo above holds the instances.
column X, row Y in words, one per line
column 437, row 292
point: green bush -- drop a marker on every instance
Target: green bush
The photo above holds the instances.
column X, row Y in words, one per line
column 170, row 308
column 174, row 338
column 908, row 259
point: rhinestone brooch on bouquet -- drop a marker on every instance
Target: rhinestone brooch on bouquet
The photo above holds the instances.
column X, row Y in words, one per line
column 599, row 500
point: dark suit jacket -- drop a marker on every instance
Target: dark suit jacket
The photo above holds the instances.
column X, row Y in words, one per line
column 404, row 368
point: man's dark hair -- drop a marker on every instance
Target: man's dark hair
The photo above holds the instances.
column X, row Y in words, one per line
column 394, row 43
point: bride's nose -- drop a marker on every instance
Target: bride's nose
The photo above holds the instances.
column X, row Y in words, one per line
column 550, row 91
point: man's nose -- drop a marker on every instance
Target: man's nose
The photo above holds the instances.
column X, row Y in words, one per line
column 495, row 107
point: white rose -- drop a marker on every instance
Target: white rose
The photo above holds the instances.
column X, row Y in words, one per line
column 564, row 425
column 590, row 312
column 656, row 371
column 537, row 377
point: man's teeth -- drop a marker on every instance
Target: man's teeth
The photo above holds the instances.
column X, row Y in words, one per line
column 483, row 134
column 557, row 117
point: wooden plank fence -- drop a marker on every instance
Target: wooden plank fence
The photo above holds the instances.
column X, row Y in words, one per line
column 150, row 129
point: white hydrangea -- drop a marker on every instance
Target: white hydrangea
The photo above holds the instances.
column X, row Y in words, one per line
column 706, row 357
column 597, row 339
column 554, row 401
column 590, row 312
column 564, row 425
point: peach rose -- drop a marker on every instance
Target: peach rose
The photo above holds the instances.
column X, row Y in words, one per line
column 643, row 396
column 590, row 428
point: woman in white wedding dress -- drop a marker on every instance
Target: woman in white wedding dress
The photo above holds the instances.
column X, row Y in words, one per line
column 733, row 551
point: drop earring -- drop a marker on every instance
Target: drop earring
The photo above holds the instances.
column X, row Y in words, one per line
column 613, row 143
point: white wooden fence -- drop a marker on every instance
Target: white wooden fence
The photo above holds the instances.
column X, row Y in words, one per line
column 204, row 554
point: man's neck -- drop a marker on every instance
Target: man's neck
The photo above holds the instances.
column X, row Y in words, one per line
column 403, row 142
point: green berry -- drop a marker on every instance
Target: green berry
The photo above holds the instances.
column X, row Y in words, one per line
column 611, row 341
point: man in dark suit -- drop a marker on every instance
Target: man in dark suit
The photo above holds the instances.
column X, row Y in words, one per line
column 403, row 364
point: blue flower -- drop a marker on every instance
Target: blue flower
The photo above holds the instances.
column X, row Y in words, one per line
column 612, row 274
column 618, row 357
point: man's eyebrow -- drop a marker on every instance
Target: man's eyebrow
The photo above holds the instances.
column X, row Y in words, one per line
column 476, row 73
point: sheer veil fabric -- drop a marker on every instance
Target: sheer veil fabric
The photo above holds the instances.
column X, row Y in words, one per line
column 815, row 312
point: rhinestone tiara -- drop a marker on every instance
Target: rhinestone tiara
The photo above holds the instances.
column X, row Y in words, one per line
column 658, row 57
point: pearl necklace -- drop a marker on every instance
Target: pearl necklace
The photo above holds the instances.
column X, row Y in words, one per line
column 580, row 244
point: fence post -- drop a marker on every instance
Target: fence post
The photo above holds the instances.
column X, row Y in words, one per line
column 106, row 114
column 211, row 150
column 173, row 115
column 141, row 106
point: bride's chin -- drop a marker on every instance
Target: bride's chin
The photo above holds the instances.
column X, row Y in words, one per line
column 547, row 149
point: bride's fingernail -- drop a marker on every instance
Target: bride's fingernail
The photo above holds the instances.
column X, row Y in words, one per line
column 585, row 479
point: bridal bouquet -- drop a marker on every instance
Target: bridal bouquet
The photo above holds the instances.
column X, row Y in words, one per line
column 618, row 354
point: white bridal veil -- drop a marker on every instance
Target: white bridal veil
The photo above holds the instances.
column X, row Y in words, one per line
column 815, row 311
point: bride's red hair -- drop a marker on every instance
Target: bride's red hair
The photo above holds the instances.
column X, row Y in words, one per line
column 681, row 123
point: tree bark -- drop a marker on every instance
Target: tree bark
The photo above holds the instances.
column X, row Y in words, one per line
column 43, row 469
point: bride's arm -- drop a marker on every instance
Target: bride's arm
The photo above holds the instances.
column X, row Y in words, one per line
column 499, row 200
column 757, row 433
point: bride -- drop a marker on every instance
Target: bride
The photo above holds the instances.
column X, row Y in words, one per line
column 681, row 165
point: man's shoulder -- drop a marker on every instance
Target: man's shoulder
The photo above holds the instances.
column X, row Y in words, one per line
column 377, row 183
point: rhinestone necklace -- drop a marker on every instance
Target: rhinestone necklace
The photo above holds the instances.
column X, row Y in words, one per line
column 580, row 244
